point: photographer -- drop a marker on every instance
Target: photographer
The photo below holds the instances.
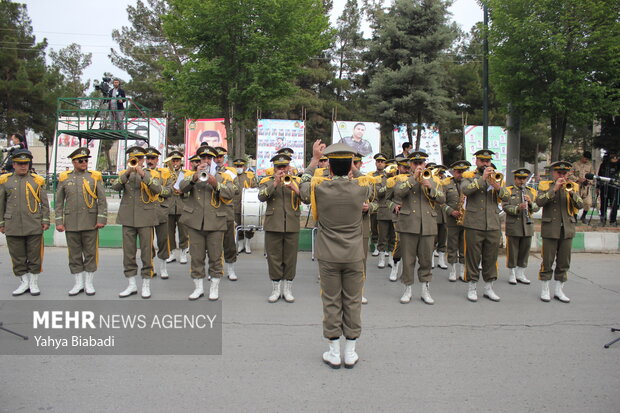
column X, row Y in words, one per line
column 609, row 193
column 15, row 142
column 116, row 107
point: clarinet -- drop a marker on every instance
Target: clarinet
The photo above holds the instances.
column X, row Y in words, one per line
column 526, row 211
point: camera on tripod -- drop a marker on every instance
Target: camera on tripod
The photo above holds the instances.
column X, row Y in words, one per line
column 104, row 86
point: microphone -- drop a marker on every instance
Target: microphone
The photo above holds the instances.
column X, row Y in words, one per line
column 600, row 178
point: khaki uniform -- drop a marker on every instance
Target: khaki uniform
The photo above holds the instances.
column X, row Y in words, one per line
column 385, row 217
column 417, row 226
column 175, row 210
column 392, row 202
column 442, row 229
column 80, row 205
column 339, row 249
column 205, row 216
column 579, row 170
column 518, row 233
column 24, row 208
column 482, row 226
column 230, row 247
column 281, row 228
column 558, row 229
column 138, row 214
column 246, row 179
column 161, row 229
column 455, row 242
column 374, row 230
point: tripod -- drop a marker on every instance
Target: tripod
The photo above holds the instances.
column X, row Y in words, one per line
column 22, row 336
column 613, row 341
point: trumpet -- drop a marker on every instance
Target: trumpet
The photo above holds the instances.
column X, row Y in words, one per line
column 287, row 179
column 569, row 186
column 133, row 162
column 425, row 174
column 497, row 176
column 204, row 176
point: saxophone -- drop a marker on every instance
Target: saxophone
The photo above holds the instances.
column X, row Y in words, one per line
column 461, row 208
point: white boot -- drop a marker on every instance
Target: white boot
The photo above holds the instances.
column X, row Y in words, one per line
column 426, row 294
column 240, row 246
column 441, row 262
column 521, row 276
column 183, row 256
column 391, row 261
column 394, row 272
column 78, row 287
column 248, row 249
column 452, row 276
column 172, row 257
column 288, row 292
column 435, row 253
column 34, row 286
column 350, row 356
column 381, row 263
column 276, row 291
column 214, row 291
column 559, row 294
column 472, row 293
column 512, row 277
column 364, row 300
column 131, row 289
column 433, row 261
column 544, row 292
column 24, row 285
column 199, row 290
column 462, row 272
column 406, row 295
column 230, row 270
column 146, row 288
column 89, row 287
column 489, row 293
column 163, row 271
column 332, row 357
column 375, row 252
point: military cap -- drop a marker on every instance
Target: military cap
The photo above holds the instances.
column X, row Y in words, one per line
column 286, row 151
column 431, row 165
column 460, row 165
column 79, row 153
column 220, row 150
column 521, row 173
column 484, row 154
column 561, row 166
column 134, row 151
column 324, row 158
column 380, row 157
column 206, row 151
column 21, row 155
column 389, row 161
column 175, row 155
column 440, row 168
column 195, row 158
column 281, row 159
column 339, row 151
column 418, row 156
column 239, row 162
column 150, row 151
column 402, row 161
column 357, row 157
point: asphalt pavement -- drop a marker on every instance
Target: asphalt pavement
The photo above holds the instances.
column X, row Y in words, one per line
column 519, row 355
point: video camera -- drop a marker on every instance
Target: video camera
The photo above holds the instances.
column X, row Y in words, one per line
column 104, row 86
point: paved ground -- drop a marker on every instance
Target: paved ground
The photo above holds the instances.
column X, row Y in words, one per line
column 515, row 356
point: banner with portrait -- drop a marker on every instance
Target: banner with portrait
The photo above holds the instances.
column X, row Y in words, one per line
column 363, row 137
column 155, row 130
column 275, row 134
column 498, row 143
column 430, row 141
column 197, row 131
column 65, row 144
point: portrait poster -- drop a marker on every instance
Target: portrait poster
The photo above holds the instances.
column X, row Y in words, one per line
column 197, row 131
column 155, row 131
column 430, row 141
column 364, row 137
column 498, row 143
column 65, row 144
column 275, row 134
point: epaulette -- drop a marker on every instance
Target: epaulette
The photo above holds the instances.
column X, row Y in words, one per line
column 469, row 174
column 534, row 191
column 296, row 179
column 96, row 175
column 38, row 179
column 231, row 169
column 391, row 182
column 165, row 172
column 437, row 180
column 154, row 173
column 226, row 176
column 63, row 176
column 316, row 180
column 187, row 175
column 250, row 174
column 446, row 181
column 269, row 171
column 265, row 179
column 5, row 177
column 122, row 172
column 544, row 185
column 365, row 180
column 319, row 171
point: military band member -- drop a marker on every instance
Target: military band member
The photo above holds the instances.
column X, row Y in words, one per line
column 519, row 227
column 24, row 215
column 417, row 225
column 324, row 162
column 454, row 203
column 194, row 162
column 560, row 202
column 337, row 205
column 163, row 199
column 245, row 179
column 281, row 192
column 439, row 171
column 230, row 249
column 81, row 210
column 482, row 224
column 175, row 209
column 205, row 218
column 578, row 174
column 138, row 214
column 394, row 204
column 380, row 163
column 385, row 226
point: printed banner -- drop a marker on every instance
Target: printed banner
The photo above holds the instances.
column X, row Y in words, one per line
column 498, row 140
column 65, row 144
column 197, row 131
column 430, row 141
column 156, row 134
column 364, row 137
column 275, row 134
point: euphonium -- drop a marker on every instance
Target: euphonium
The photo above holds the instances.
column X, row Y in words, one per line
column 133, row 162
column 569, row 186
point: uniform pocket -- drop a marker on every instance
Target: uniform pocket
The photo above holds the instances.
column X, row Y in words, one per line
column 188, row 209
column 547, row 219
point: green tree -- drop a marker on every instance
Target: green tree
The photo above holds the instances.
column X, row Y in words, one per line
column 407, row 81
column 348, row 49
column 245, row 54
column 556, row 60
column 71, row 62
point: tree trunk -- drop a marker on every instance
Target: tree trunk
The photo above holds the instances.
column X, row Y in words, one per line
column 409, row 136
column 419, row 134
column 558, row 130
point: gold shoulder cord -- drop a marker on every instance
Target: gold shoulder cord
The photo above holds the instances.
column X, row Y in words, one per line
column 150, row 197
column 35, row 195
column 294, row 205
column 87, row 191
